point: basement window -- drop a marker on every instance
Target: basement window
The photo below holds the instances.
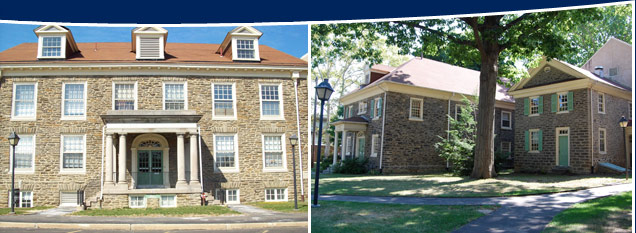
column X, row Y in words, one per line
column 279, row 194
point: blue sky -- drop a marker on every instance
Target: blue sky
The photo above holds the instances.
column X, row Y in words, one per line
column 291, row 39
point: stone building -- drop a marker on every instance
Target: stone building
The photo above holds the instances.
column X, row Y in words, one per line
column 397, row 116
column 567, row 119
column 151, row 123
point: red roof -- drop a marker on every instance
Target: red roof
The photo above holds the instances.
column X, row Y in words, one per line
column 117, row 52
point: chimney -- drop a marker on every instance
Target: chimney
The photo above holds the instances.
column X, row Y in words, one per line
column 599, row 71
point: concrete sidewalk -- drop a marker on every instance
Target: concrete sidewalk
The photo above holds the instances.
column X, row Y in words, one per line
column 517, row 214
column 251, row 220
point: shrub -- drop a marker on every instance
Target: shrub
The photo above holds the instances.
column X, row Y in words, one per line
column 352, row 166
column 458, row 147
column 325, row 162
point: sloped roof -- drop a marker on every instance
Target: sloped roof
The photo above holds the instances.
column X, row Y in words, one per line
column 423, row 72
column 355, row 119
column 118, row 52
column 382, row 68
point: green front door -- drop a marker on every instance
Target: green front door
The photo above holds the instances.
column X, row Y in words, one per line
column 564, row 150
column 150, row 168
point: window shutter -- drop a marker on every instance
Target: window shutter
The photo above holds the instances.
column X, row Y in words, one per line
column 149, row 48
column 570, row 101
column 526, row 106
column 554, row 102
column 527, row 140
column 372, row 108
column 540, row 104
column 540, row 132
column 380, row 107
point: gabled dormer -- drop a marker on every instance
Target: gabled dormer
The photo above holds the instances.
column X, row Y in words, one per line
column 242, row 44
column 149, row 42
column 55, row 42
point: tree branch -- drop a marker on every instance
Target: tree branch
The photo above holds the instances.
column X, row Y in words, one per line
column 439, row 33
column 472, row 22
column 515, row 21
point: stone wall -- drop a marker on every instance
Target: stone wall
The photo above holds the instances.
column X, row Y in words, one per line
column 545, row 78
column 615, row 148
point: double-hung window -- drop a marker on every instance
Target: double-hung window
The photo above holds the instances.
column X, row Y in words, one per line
column 416, row 112
column 377, row 109
column 25, row 154
column 223, row 101
column 74, row 103
column 562, row 99
column 125, row 96
column 535, row 137
column 51, row 47
column 506, row 120
column 362, row 107
column 245, row 49
column 601, row 103
column 24, row 100
column 375, row 145
column 602, row 146
column 534, row 105
column 73, row 153
column 175, row 96
column 274, row 153
column 271, row 104
column 225, row 152
column 276, row 194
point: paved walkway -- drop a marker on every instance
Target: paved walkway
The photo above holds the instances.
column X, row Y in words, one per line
column 517, row 214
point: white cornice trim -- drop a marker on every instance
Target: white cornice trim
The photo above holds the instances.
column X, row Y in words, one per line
column 571, row 85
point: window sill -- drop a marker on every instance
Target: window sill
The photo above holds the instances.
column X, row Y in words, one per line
column 533, row 115
column 601, row 112
column 506, row 128
column 603, row 153
column 376, row 118
column 19, row 172
column 223, row 118
column 562, row 112
column 533, row 152
column 415, row 119
column 23, row 119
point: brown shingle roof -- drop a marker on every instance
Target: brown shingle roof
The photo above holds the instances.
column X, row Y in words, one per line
column 116, row 52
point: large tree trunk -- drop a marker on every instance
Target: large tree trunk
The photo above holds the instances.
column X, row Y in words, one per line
column 484, row 148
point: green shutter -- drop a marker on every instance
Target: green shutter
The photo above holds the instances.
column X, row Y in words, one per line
column 540, row 104
column 570, row 101
column 527, row 144
column 526, row 106
column 554, row 102
column 380, row 107
column 540, row 132
column 372, row 109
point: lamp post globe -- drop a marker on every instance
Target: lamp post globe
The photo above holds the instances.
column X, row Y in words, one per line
column 13, row 141
column 323, row 92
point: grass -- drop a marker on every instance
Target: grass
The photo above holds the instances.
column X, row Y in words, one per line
column 446, row 185
column 177, row 211
column 287, row 207
column 4, row 211
column 609, row 214
column 336, row 216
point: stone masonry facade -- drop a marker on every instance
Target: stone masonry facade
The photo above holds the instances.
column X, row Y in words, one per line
column 46, row 183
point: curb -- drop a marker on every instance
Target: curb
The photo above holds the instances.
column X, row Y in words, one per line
column 138, row 227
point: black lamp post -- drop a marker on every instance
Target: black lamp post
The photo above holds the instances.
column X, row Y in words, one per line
column 293, row 140
column 623, row 123
column 13, row 141
column 323, row 92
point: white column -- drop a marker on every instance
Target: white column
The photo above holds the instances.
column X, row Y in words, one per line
column 134, row 167
column 335, row 148
column 166, row 167
column 194, row 162
column 181, row 180
column 108, row 179
column 344, row 144
column 114, row 170
column 121, row 181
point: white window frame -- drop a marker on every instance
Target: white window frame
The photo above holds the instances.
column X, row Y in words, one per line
column 375, row 108
column 421, row 116
column 362, row 107
column 457, row 109
column 161, row 47
column 281, row 115
column 601, row 103
column 235, row 40
column 20, row 198
column 134, row 89
column 142, row 196
column 233, row 117
column 509, row 119
column 163, row 90
column 284, row 155
column 35, row 103
column 83, row 117
column 531, row 133
column 62, row 47
column 166, row 206
column 530, row 106
column 234, row 169
column 358, row 146
column 238, row 196
column 276, row 192
column 349, row 145
column 509, row 146
column 560, row 102
column 22, row 170
column 374, row 139
column 558, row 133
column 72, row 170
column 350, row 109
column 603, row 139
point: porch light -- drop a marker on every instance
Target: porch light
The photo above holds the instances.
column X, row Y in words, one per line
column 324, row 90
column 13, row 139
column 293, row 140
column 623, row 122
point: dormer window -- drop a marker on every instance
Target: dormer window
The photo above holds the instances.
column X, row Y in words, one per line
column 242, row 44
column 149, row 42
column 55, row 42
column 51, row 46
column 245, row 49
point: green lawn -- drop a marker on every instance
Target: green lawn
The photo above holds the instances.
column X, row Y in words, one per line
column 609, row 214
column 336, row 216
column 4, row 211
column 446, row 185
column 177, row 211
column 287, row 207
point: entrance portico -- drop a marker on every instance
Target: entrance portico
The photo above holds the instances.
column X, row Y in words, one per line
column 149, row 170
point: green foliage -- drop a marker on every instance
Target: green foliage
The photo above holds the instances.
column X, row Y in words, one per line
column 352, row 166
column 500, row 160
column 459, row 147
column 325, row 162
column 332, row 128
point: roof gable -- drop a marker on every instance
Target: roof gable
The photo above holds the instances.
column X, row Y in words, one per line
column 57, row 30
column 244, row 31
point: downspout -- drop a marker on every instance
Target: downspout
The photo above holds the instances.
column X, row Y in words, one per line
column 200, row 161
column 383, row 121
column 101, row 183
column 591, row 125
column 448, row 126
column 295, row 76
